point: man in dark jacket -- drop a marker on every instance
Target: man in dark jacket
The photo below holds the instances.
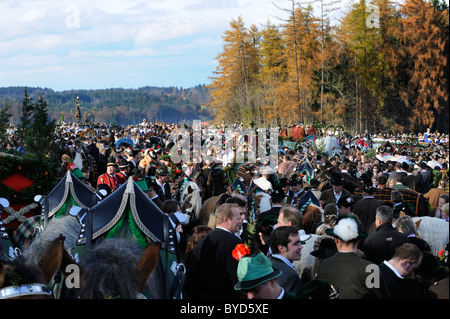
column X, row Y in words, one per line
column 366, row 208
column 213, row 272
column 286, row 247
column 381, row 245
column 395, row 271
column 162, row 187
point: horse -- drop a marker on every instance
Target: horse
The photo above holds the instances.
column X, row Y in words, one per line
column 191, row 200
column 434, row 231
column 66, row 227
column 118, row 268
column 20, row 279
column 207, row 209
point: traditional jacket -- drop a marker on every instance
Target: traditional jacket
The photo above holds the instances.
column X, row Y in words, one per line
column 111, row 181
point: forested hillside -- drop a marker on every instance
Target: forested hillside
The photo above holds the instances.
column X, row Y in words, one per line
column 117, row 105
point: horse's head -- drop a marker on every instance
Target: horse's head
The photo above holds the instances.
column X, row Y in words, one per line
column 117, row 268
column 191, row 201
column 20, row 279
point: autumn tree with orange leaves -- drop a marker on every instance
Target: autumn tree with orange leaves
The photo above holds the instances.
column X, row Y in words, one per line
column 384, row 68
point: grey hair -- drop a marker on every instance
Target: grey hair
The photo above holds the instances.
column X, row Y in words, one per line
column 68, row 226
column 384, row 214
column 406, row 225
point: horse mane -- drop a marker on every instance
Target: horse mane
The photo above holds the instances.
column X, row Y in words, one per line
column 68, row 226
column 434, row 231
column 109, row 270
column 191, row 194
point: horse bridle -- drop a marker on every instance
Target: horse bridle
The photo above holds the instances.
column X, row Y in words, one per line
column 25, row 290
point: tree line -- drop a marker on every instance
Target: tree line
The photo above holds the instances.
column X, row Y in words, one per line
column 382, row 67
column 116, row 105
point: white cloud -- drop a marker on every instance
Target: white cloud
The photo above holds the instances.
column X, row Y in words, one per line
column 118, row 40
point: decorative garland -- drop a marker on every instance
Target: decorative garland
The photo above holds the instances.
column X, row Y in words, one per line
column 18, row 215
column 137, row 233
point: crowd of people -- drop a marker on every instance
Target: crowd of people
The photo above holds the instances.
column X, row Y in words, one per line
column 252, row 245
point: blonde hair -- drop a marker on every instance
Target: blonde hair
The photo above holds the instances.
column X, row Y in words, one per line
column 224, row 210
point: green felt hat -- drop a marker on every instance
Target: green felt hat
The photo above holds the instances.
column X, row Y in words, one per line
column 255, row 270
column 78, row 173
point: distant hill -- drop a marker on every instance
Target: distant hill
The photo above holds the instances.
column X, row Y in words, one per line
column 117, row 105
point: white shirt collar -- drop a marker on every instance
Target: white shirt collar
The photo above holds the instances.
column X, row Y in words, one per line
column 393, row 269
column 284, row 259
column 281, row 294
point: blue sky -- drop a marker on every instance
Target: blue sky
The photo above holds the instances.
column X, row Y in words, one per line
column 95, row 44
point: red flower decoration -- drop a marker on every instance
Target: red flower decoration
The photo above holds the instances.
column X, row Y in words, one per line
column 71, row 166
column 240, row 251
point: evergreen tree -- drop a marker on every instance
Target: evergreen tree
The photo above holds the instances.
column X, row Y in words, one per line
column 39, row 141
column 25, row 117
column 5, row 116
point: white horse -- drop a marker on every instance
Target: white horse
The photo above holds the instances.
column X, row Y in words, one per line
column 191, row 200
column 435, row 231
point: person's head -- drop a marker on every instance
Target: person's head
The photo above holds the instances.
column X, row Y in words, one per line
column 197, row 233
column 382, row 180
column 396, row 197
column 241, row 202
column 124, row 166
column 162, row 173
column 390, row 182
column 445, row 211
column 278, row 195
column 406, row 259
column 405, row 224
column 443, row 199
column 290, row 216
column 337, row 182
column 384, row 215
column 285, row 240
column 345, row 205
column 347, row 232
column 442, row 183
column 111, row 167
column 257, row 278
column 228, row 216
column 170, row 206
column 296, row 183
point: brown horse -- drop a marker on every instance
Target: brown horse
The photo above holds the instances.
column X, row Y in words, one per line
column 207, row 209
column 20, row 279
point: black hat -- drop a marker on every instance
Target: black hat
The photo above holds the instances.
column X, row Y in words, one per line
column 111, row 162
column 314, row 182
column 123, row 163
column 345, row 201
column 161, row 170
column 337, row 180
column 327, row 248
column 266, row 225
column 284, row 182
column 278, row 193
column 295, row 179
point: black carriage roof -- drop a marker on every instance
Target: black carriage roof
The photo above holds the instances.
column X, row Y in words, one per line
column 147, row 216
column 70, row 184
